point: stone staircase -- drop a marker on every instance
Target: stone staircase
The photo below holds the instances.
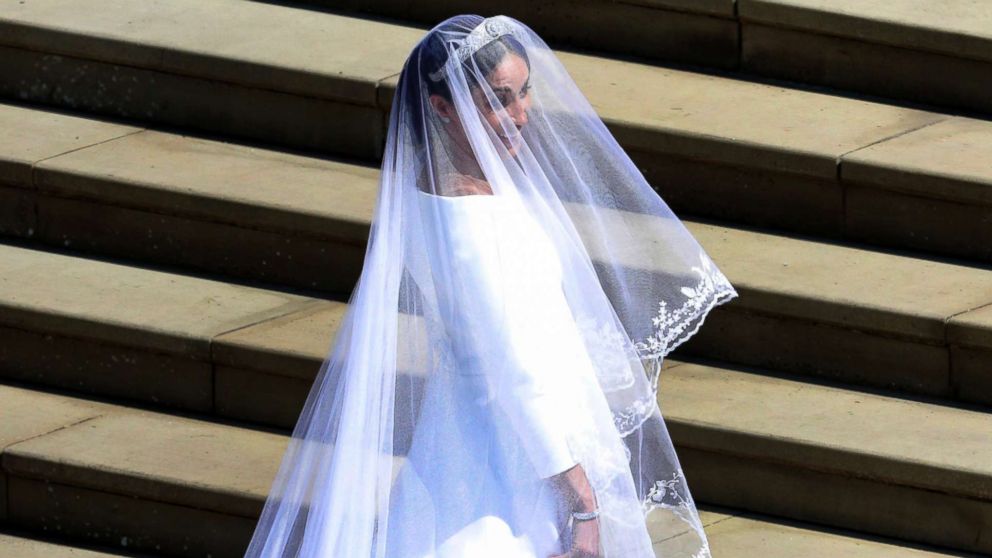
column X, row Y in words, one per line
column 938, row 53
column 185, row 195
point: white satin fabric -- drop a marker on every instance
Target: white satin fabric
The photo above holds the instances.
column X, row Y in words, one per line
column 508, row 275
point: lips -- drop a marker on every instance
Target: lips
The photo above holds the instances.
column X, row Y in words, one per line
column 509, row 141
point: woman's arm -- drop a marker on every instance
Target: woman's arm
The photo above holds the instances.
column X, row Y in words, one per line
column 582, row 498
column 512, row 316
column 575, row 485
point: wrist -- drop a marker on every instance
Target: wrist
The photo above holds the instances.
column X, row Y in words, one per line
column 585, row 505
column 585, row 515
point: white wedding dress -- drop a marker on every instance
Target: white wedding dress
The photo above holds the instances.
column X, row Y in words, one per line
column 509, row 277
column 495, row 341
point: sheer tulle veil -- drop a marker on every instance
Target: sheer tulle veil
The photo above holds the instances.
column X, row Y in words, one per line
column 521, row 288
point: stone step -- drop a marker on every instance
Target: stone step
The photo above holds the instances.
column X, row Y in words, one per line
column 931, row 52
column 704, row 32
column 832, row 455
column 157, row 483
column 17, row 545
column 119, row 330
column 837, row 310
column 184, row 486
column 713, row 146
column 929, row 190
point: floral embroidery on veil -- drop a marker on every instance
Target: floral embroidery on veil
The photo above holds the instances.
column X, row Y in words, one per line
column 677, row 503
column 673, row 327
column 610, row 351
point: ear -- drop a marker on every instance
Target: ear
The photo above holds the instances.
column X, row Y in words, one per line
column 442, row 107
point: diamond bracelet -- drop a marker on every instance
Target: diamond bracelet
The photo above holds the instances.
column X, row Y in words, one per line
column 585, row 516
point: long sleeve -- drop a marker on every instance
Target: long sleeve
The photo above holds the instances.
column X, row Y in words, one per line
column 514, row 321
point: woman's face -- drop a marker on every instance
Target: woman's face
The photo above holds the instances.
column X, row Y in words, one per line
column 510, row 84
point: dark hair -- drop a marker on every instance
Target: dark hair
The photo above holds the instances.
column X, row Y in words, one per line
column 486, row 59
column 431, row 54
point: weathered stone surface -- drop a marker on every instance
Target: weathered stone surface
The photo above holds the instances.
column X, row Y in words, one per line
column 287, row 49
column 23, row 547
column 891, row 218
column 947, row 160
column 902, row 512
column 650, row 108
column 972, row 328
column 17, row 212
column 209, row 105
column 25, row 414
column 852, row 64
column 944, row 170
column 258, row 397
column 971, row 371
column 703, row 32
column 127, row 305
column 743, row 194
column 221, row 182
column 715, row 7
column 104, row 369
column 128, row 523
column 235, row 250
column 814, row 282
column 237, row 210
column 278, row 361
column 970, row 336
column 821, row 282
column 672, row 536
column 956, row 27
column 177, row 460
column 909, row 456
column 757, row 538
column 929, row 189
column 682, row 113
column 293, row 345
column 28, row 136
column 844, row 285
column 851, row 355
column 875, row 437
column 30, row 413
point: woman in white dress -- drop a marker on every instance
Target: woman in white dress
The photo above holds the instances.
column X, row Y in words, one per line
column 492, row 389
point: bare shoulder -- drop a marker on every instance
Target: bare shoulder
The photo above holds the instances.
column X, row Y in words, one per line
column 463, row 185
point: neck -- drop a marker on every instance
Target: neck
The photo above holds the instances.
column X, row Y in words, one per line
column 464, row 160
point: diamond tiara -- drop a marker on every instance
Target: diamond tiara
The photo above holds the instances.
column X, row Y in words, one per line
column 489, row 30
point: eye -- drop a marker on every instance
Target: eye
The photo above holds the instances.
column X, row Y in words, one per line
column 505, row 99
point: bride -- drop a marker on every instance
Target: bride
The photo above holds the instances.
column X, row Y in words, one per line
column 492, row 391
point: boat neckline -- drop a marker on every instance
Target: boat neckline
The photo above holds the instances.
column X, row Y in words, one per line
column 438, row 196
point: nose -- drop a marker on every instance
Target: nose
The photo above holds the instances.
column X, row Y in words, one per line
column 518, row 112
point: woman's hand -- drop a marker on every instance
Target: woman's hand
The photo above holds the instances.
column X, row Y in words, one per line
column 585, row 540
column 580, row 495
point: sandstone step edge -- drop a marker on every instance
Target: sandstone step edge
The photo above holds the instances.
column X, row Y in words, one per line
column 893, row 25
column 17, row 545
column 84, row 173
column 689, row 140
column 782, row 154
column 326, row 187
column 76, row 450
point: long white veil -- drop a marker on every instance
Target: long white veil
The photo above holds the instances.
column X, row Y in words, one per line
column 521, row 286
